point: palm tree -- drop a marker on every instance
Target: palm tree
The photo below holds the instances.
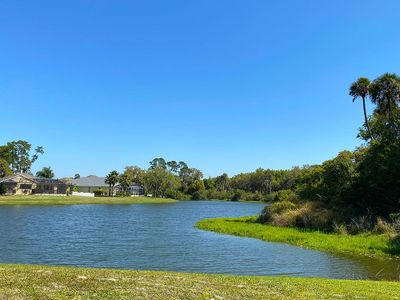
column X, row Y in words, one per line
column 360, row 89
column 112, row 179
column 385, row 93
column 45, row 172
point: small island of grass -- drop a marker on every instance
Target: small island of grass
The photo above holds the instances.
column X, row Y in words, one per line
column 377, row 245
column 74, row 200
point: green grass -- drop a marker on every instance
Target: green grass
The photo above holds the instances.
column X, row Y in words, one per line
column 43, row 282
column 68, row 200
column 363, row 244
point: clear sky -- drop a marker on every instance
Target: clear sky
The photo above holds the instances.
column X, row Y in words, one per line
column 225, row 85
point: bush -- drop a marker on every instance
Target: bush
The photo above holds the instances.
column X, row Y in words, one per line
column 315, row 216
column 175, row 194
column 3, row 189
column 311, row 215
column 361, row 225
column 240, row 195
column 285, row 219
column 382, row 226
column 340, row 229
column 121, row 194
column 200, row 195
column 99, row 192
column 274, row 210
column 282, row 195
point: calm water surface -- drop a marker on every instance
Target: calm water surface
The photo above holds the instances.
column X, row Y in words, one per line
column 162, row 237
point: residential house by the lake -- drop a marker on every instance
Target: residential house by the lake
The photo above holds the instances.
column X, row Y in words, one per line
column 26, row 184
column 92, row 183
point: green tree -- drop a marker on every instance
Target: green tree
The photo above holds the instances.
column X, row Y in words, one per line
column 112, row 179
column 196, row 186
column 385, row 93
column 173, row 166
column 21, row 159
column 158, row 162
column 136, row 174
column 77, row 176
column 222, row 182
column 125, row 181
column 159, row 182
column 4, row 168
column 45, row 172
column 338, row 176
column 360, row 89
column 188, row 176
column 377, row 187
column 5, row 154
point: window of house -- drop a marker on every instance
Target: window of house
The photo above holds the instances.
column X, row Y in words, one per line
column 25, row 186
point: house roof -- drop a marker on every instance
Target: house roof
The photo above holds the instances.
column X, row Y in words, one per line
column 90, row 181
column 49, row 181
column 10, row 178
column 32, row 178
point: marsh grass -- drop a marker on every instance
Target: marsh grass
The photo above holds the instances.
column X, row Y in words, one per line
column 42, row 282
column 366, row 244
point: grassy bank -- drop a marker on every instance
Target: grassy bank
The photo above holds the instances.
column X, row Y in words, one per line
column 40, row 282
column 68, row 200
column 362, row 244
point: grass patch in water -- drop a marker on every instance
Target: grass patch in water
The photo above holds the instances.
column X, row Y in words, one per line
column 361, row 244
column 69, row 200
column 43, row 282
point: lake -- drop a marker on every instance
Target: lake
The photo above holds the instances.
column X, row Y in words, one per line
column 163, row 237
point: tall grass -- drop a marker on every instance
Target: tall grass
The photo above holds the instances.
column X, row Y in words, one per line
column 366, row 244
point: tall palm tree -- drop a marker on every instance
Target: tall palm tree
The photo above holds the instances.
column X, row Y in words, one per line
column 360, row 89
column 385, row 93
column 112, row 179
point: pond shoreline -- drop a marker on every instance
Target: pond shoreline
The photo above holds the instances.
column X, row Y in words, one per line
column 78, row 200
column 35, row 281
column 359, row 245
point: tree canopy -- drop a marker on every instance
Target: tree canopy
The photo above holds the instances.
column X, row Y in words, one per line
column 45, row 172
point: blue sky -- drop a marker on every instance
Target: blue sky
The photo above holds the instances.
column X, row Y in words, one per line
column 227, row 86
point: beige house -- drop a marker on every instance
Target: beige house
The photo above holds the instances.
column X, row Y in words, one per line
column 26, row 184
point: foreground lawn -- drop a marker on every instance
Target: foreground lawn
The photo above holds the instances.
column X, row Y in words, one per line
column 362, row 244
column 66, row 200
column 40, row 282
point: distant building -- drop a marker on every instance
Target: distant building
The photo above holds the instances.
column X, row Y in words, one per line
column 92, row 183
column 89, row 184
column 26, row 184
column 135, row 190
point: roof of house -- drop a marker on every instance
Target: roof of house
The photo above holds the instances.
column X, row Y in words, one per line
column 32, row 178
column 90, row 181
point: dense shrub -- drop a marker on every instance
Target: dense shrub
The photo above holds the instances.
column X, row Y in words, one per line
column 175, row 194
column 307, row 215
column 282, row 195
column 212, row 194
column 273, row 210
column 315, row 216
column 99, row 193
column 3, row 189
column 377, row 188
column 122, row 194
column 240, row 195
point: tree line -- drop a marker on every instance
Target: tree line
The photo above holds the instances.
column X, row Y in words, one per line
column 177, row 180
column 358, row 189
